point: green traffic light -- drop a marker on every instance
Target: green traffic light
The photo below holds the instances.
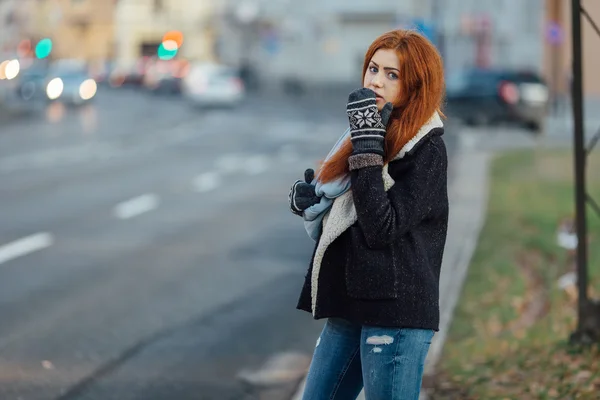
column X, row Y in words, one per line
column 43, row 48
column 165, row 54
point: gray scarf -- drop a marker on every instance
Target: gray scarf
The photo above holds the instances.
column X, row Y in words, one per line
column 327, row 192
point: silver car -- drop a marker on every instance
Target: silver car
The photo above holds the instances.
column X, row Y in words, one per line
column 209, row 85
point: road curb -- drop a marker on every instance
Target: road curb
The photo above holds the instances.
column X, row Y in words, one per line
column 468, row 204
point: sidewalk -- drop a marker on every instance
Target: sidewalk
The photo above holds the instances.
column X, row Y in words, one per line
column 467, row 190
column 561, row 122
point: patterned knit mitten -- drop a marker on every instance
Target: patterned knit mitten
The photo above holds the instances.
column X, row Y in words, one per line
column 367, row 124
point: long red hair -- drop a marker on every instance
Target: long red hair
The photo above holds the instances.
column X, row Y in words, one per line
column 421, row 94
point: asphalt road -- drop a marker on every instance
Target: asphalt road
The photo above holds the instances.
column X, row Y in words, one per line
column 146, row 248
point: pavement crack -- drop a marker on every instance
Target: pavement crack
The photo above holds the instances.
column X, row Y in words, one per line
column 82, row 386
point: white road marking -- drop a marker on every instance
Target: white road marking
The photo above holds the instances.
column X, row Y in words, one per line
column 24, row 246
column 206, row 182
column 136, row 206
column 257, row 164
column 230, row 163
column 56, row 157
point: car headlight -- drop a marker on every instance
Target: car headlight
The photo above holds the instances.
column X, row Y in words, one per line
column 55, row 88
column 11, row 70
column 88, row 89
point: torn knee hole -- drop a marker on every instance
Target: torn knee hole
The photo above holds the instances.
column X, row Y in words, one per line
column 380, row 340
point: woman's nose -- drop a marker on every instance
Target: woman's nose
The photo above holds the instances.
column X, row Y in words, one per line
column 377, row 81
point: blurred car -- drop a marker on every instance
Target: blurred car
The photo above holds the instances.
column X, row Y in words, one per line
column 101, row 71
column 163, row 77
column 70, row 83
column 481, row 97
column 129, row 75
column 216, row 85
column 22, row 89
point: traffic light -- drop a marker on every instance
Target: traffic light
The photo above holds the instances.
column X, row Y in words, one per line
column 43, row 48
column 166, row 54
column 171, row 43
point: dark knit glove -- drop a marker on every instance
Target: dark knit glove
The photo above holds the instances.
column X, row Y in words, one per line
column 367, row 124
column 302, row 194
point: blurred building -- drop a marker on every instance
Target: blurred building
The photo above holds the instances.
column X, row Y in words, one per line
column 141, row 25
column 490, row 33
column 11, row 21
column 79, row 29
column 309, row 42
column 557, row 46
column 6, row 24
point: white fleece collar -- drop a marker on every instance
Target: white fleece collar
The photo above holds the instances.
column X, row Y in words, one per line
column 434, row 122
column 343, row 213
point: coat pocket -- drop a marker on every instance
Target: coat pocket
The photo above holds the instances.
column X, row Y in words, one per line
column 371, row 274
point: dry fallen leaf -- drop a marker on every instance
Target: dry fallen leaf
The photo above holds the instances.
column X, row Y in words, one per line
column 582, row 376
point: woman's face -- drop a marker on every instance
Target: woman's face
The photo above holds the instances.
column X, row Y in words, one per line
column 383, row 75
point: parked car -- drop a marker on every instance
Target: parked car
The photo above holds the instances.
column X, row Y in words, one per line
column 164, row 76
column 490, row 96
column 213, row 85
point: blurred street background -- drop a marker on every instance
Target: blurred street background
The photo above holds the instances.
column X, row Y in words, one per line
column 147, row 148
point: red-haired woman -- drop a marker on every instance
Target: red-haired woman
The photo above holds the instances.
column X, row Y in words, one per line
column 378, row 210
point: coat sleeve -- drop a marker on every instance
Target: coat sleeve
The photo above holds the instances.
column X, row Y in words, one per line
column 385, row 216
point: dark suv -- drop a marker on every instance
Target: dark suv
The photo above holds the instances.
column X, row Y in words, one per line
column 489, row 96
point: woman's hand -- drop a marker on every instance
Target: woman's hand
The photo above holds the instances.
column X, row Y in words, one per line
column 302, row 194
column 367, row 123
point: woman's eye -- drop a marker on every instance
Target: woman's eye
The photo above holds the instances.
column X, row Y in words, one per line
column 392, row 75
column 373, row 70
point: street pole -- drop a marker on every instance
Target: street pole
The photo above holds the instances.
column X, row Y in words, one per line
column 555, row 19
column 579, row 160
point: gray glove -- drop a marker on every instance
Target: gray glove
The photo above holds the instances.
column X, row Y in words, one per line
column 367, row 123
column 302, row 194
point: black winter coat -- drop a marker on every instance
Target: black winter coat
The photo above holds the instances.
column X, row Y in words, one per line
column 380, row 264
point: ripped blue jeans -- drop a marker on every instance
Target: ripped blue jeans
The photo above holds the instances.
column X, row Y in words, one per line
column 387, row 362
